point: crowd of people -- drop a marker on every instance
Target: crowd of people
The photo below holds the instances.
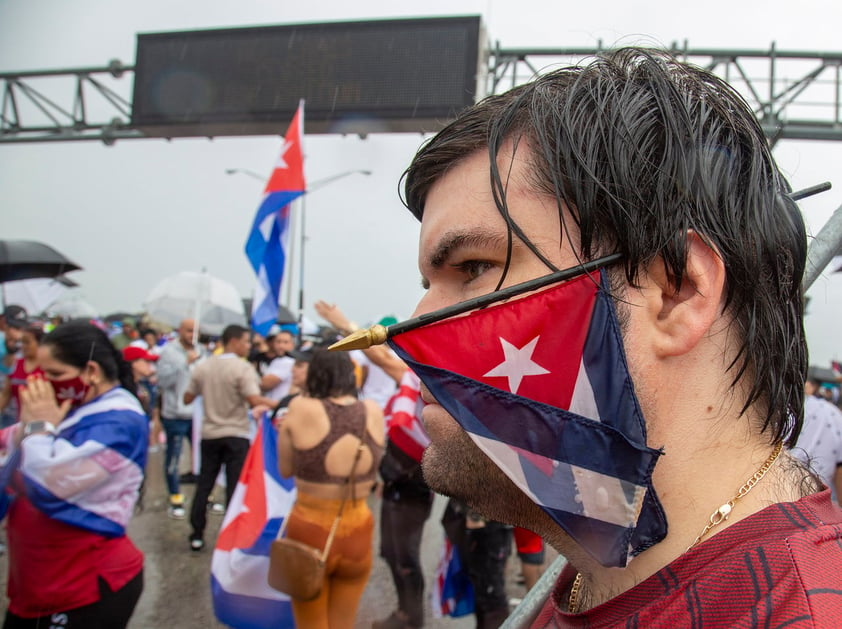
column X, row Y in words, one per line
column 672, row 457
column 316, row 398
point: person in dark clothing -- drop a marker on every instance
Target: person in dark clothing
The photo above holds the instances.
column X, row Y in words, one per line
column 484, row 546
column 406, row 506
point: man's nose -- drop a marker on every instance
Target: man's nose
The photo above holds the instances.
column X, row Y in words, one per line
column 432, row 300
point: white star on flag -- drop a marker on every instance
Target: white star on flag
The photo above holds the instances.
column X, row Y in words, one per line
column 518, row 363
column 281, row 163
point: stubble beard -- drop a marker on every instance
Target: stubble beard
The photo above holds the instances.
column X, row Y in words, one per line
column 457, row 468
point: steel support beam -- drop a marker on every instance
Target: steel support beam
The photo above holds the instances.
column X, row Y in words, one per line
column 795, row 94
column 73, row 105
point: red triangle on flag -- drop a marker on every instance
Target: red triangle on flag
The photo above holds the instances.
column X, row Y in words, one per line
column 288, row 174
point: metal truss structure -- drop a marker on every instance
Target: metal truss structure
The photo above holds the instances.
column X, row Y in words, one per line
column 67, row 105
column 795, row 94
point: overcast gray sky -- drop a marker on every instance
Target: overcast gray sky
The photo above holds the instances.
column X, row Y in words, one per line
column 143, row 209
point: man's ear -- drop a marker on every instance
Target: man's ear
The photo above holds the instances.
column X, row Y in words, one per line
column 687, row 313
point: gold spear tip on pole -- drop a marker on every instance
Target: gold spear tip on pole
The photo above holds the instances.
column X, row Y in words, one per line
column 362, row 339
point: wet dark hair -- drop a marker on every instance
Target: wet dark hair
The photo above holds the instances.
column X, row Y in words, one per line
column 232, row 332
column 331, row 374
column 77, row 342
column 642, row 148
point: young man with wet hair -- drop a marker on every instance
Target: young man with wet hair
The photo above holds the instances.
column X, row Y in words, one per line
column 645, row 444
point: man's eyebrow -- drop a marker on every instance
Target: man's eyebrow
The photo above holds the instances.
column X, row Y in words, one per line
column 452, row 241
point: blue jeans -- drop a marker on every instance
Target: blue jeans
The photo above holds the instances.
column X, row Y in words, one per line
column 176, row 430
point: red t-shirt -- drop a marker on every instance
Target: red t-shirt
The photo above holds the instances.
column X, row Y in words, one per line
column 781, row 567
column 17, row 379
column 55, row 567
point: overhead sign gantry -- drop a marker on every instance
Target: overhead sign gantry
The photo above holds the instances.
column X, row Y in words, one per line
column 408, row 75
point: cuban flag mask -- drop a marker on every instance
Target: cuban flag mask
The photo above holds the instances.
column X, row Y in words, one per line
column 542, row 387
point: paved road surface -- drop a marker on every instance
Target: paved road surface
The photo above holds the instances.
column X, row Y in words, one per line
column 177, row 592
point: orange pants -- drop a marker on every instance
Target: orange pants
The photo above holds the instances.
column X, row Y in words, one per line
column 348, row 563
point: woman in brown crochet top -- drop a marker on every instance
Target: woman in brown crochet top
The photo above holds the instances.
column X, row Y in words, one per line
column 317, row 443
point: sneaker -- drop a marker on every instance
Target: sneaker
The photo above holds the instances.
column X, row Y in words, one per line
column 196, row 544
column 188, row 478
column 176, row 508
column 216, row 508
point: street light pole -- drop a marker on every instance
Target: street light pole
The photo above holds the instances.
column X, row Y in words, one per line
column 315, row 185
column 244, row 171
column 320, row 183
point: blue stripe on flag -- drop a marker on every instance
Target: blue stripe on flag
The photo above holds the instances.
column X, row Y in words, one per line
column 605, row 364
column 455, row 590
column 274, row 202
column 250, row 612
column 268, row 258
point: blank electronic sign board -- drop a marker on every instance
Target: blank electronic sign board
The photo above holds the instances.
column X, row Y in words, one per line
column 356, row 77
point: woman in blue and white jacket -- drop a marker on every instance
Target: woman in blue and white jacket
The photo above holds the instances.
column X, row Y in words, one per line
column 74, row 469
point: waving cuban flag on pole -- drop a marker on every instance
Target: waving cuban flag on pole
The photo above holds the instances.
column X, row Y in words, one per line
column 268, row 241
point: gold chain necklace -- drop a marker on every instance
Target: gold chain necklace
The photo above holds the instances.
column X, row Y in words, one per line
column 716, row 518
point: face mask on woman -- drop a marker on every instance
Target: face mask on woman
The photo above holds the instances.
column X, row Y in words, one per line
column 73, row 389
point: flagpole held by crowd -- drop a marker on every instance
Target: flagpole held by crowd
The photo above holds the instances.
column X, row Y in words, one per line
column 278, row 233
column 267, row 245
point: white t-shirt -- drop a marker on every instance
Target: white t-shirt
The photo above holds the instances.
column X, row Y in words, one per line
column 280, row 367
column 820, row 441
column 378, row 386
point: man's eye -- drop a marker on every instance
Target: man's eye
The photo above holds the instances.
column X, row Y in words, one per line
column 473, row 268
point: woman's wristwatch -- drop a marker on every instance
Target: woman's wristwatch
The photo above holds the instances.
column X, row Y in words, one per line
column 38, row 427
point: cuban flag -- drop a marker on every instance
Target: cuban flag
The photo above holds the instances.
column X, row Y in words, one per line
column 453, row 594
column 541, row 386
column 89, row 474
column 403, row 417
column 268, row 241
column 241, row 596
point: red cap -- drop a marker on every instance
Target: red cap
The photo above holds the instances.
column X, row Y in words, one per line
column 133, row 353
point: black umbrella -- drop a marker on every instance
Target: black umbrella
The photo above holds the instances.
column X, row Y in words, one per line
column 26, row 259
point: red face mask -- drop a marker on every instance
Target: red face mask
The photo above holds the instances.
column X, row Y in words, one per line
column 73, row 389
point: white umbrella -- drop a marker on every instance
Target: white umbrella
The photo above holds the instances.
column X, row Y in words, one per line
column 33, row 295
column 72, row 306
column 211, row 301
